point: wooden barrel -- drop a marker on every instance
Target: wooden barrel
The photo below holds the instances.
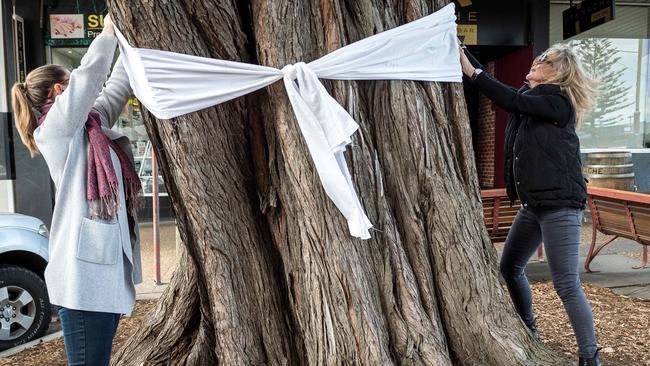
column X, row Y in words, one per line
column 610, row 170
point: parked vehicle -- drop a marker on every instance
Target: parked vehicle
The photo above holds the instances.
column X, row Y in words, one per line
column 25, row 312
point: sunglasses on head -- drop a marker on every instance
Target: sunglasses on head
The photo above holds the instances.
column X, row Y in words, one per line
column 543, row 58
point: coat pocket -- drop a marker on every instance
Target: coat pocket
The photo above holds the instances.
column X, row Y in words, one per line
column 99, row 242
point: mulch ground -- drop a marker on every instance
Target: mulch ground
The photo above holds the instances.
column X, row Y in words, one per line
column 623, row 326
column 53, row 353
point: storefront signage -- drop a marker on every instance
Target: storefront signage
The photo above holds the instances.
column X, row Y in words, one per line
column 75, row 22
column 492, row 23
column 19, row 46
column 586, row 15
column 74, row 29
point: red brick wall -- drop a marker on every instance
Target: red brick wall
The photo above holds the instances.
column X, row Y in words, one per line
column 486, row 133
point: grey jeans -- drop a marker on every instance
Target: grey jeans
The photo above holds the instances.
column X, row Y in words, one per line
column 559, row 229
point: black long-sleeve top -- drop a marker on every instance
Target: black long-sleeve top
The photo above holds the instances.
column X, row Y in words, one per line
column 542, row 150
column 550, row 107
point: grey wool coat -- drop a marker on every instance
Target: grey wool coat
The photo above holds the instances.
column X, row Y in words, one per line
column 94, row 264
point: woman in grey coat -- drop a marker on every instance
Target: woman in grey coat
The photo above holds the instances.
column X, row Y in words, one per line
column 94, row 245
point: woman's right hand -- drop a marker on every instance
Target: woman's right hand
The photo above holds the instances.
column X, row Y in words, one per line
column 466, row 65
column 108, row 25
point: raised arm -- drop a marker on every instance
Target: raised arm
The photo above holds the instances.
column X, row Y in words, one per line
column 112, row 99
column 552, row 107
column 70, row 109
column 475, row 64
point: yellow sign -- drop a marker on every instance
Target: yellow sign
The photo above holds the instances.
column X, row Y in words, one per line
column 602, row 14
column 95, row 21
column 468, row 34
column 464, row 3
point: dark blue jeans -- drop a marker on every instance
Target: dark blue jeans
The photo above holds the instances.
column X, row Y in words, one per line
column 559, row 229
column 88, row 336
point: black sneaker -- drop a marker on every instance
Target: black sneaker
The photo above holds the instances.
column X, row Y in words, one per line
column 534, row 332
column 592, row 361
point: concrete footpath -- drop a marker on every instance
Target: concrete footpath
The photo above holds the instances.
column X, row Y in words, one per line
column 613, row 271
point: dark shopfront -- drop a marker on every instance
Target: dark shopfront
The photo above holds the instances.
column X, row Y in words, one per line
column 505, row 36
column 58, row 32
column 25, row 182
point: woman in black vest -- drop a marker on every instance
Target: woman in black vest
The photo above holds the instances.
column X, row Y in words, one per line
column 544, row 171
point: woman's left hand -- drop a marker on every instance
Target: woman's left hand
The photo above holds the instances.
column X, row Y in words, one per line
column 468, row 69
column 108, row 25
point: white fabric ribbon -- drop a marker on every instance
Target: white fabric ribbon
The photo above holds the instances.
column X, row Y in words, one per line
column 171, row 84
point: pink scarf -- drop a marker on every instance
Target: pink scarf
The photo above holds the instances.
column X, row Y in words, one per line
column 102, row 188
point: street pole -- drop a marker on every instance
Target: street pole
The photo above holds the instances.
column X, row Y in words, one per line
column 636, row 124
column 156, row 215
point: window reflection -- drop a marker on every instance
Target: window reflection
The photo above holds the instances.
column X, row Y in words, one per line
column 617, row 53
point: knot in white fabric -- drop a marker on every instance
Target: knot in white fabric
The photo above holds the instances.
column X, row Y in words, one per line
column 290, row 72
column 171, row 84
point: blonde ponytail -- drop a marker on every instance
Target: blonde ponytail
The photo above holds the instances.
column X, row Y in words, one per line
column 27, row 98
column 24, row 117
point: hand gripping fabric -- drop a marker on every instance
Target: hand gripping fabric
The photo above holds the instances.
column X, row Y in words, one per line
column 171, row 84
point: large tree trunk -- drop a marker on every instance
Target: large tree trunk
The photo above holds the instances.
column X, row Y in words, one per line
column 271, row 275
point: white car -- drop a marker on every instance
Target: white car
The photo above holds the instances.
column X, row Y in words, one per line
column 25, row 312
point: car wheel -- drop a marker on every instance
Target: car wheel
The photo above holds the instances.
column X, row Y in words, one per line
column 24, row 306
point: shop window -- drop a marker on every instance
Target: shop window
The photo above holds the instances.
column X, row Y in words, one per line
column 619, row 118
column 617, row 55
column 130, row 124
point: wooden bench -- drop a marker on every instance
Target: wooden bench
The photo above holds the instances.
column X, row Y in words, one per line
column 498, row 216
column 619, row 214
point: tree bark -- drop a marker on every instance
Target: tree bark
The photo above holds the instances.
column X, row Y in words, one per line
column 271, row 275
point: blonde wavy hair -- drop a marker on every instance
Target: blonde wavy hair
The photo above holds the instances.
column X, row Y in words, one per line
column 27, row 99
column 581, row 88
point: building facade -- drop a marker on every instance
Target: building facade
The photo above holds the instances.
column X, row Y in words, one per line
column 59, row 32
column 504, row 35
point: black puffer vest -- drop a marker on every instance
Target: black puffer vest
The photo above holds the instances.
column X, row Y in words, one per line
column 542, row 158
